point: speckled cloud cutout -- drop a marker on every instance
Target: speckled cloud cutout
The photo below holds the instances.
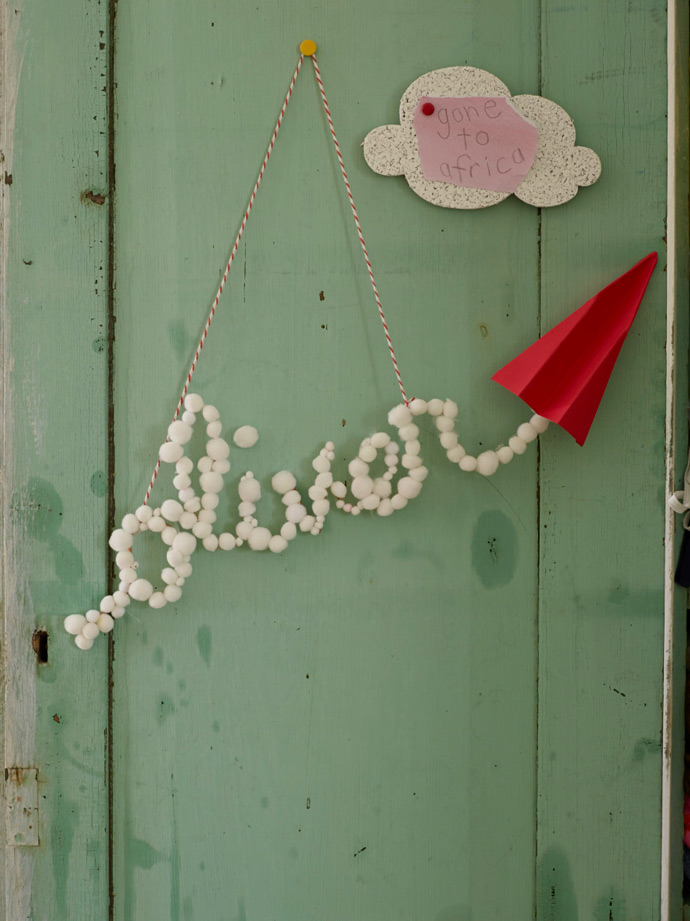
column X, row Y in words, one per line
column 464, row 142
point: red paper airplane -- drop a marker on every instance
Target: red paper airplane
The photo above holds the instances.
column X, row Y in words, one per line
column 563, row 375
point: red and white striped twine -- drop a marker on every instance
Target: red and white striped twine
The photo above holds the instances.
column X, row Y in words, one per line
column 233, row 253
column 359, row 228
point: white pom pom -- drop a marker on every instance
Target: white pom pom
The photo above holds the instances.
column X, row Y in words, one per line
column 362, row 486
column 121, row 599
column 468, row 463
column 357, row 467
column 412, row 460
column 107, row 604
column 157, row 524
column 408, row 432
column 539, row 423
column 371, row 501
column 185, row 465
column 187, row 520
column 182, row 481
column 487, row 463
column 418, row 407
column 211, row 482
column 398, row 501
column 185, row 543
column 210, row 500
column 505, row 454
column 144, row 513
column 171, row 510
column 226, row 541
column 380, row 439
column 418, row 473
column 188, row 417
column 283, row 482
column 295, row 513
column 105, row 623
column 435, row 407
column 307, row 523
column 128, row 575
column 249, row 489
column 448, row 439
column 204, row 464
column 444, row 424
column 399, row 415
column 291, row 497
column 210, row 542
column 193, row 402
column 90, row 630
column 120, row 540
column 218, row 449
column 367, row 453
column 141, row 589
column 74, row 623
column 277, row 544
column 207, row 515
column 202, row 529
column 385, row 508
column 288, row 531
column 392, row 448
column 412, row 447
column 317, row 492
column 527, row 432
column 117, row 612
column 321, row 507
column 170, row 452
column 221, row 466
column 339, row 489
column 93, row 615
column 450, row 409
column 382, row 487
column 244, row 529
column 321, row 464
column 409, row 488
column 168, row 535
column 323, row 480
column 157, row 600
column 246, row 436
column 174, row 557
column 169, row 576
column 82, row 642
column 456, row 454
column 517, row 445
column 179, row 432
column 259, row 538
column 172, row 593
column 130, row 523
column 124, row 559
column 246, row 509
column 210, row 413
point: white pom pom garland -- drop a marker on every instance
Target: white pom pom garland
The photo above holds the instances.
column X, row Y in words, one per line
column 188, row 522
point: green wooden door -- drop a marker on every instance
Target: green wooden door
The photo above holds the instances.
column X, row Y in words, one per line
column 453, row 714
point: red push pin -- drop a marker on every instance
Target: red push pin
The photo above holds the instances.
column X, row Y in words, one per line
column 428, row 108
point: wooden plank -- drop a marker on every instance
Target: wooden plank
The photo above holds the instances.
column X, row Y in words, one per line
column 602, row 509
column 347, row 730
column 54, row 306
column 677, row 337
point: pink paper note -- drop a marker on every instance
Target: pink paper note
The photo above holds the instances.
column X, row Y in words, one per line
column 481, row 142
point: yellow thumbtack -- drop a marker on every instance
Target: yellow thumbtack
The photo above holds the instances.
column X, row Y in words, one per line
column 307, row 47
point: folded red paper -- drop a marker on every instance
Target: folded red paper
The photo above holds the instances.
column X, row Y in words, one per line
column 563, row 375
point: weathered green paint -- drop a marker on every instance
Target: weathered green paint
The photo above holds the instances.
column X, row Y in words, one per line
column 453, row 714
column 54, row 424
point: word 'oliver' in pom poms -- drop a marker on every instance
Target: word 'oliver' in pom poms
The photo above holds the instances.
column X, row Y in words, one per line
column 189, row 520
